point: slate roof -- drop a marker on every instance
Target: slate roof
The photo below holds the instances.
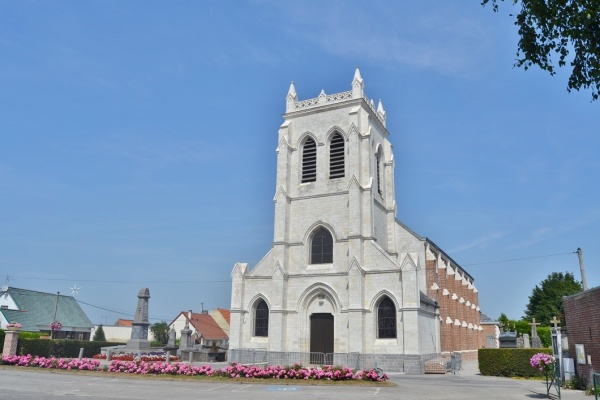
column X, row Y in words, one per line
column 36, row 310
column 485, row 320
column 21, row 317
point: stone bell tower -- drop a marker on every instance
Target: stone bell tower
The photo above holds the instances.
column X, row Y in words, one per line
column 342, row 275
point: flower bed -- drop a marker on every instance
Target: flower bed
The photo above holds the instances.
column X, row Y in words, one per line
column 242, row 371
column 132, row 357
column 85, row 364
column 232, row 371
column 159, row 368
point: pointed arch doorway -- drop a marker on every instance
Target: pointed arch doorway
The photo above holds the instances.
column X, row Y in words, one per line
column 321, row 338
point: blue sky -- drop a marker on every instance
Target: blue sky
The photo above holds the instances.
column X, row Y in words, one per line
column 137, row 142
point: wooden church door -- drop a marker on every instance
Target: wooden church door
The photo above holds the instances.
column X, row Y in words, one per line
column 321, row 339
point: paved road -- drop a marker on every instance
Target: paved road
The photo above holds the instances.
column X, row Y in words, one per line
column 22, row 384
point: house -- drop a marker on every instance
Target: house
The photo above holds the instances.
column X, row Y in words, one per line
column 206, row 332
column 120, row 331
column 583, row 326
column 222, row 318
column 37, row 310
column 344, row 275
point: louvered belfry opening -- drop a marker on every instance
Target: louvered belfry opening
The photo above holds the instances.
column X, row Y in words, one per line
column 336, row 157
column 309, row 161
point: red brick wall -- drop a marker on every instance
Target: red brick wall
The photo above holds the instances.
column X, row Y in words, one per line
column 582, row 314
column 455, row 337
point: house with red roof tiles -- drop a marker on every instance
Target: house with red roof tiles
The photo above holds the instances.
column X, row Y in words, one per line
column 206, row 331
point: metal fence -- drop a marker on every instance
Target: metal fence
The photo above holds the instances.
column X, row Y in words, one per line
column 264, row 357
column 412, row 364
column 441, row 362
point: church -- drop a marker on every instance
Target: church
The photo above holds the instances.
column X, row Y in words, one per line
column 344, row 275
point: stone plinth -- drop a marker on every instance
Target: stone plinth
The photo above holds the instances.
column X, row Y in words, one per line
column 11, row 338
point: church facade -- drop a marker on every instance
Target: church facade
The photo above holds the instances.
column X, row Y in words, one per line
column 343, row 274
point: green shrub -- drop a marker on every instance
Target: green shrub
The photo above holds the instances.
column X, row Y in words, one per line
column 509, row 362
column 576, row 382
column 61, row 348
column 30, row 335
column 545, row 334
column 99, row 335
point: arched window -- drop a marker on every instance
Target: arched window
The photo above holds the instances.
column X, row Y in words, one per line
column 321, row 247
column 336, row 157
column 309, row 161
column 261, row 319
column 386, row 319
column 378, row 161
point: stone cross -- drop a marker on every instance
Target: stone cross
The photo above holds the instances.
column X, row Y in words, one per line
column 534, row 325
column 555, row 322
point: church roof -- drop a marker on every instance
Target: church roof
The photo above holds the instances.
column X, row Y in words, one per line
column 36, row 310
column 486, row 320
column 432, row 244
column 448, row 257
column 428, row 300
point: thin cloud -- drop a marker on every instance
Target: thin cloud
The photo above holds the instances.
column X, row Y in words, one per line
column 159, row 152
column 480, row 243
column 447, row 45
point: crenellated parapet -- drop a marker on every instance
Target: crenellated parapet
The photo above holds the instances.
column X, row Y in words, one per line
column 357, row 92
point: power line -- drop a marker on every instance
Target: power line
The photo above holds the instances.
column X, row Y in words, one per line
column 116, row 311
column 519, row 259
column 120, row 281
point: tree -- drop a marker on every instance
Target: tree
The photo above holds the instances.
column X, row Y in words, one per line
column 99, row 335
column 559, row 27
column 545, row 301
column 160, row 330
column 503, row 319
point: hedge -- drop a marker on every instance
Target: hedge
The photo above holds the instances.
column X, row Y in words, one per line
column 22, row 335
column 65, row 348
column 509, row 362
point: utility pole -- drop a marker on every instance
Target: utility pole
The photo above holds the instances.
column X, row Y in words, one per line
column 55, row 310
column 582, row 267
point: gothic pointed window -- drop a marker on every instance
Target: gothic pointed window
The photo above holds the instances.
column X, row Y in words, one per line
column 336, row 157
column 386, row 319
column 261, row 319
column 309, row 161
column 321, row 247
column 378, row 161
